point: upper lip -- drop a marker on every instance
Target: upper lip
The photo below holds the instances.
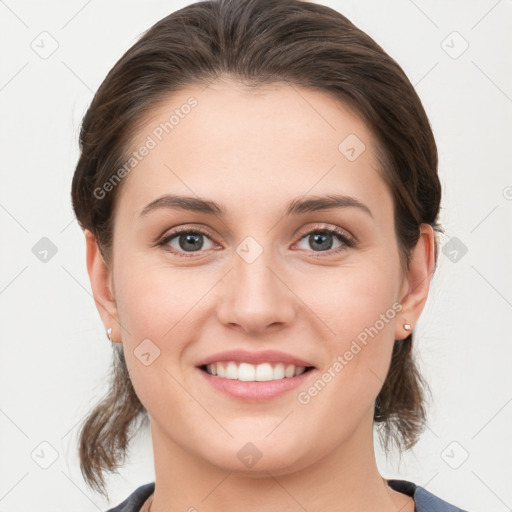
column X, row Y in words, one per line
column 244, row 356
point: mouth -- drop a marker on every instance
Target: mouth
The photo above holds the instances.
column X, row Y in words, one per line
column 255, row 376
column 246, row 372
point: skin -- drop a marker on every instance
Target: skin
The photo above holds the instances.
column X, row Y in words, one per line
column 253, row 151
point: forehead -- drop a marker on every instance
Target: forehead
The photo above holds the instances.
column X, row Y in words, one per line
column 261, row 144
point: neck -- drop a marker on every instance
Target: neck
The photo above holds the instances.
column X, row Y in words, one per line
column 345, row 478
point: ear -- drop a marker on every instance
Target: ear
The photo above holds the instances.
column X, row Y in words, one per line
column 102, row 289
column 416, row 283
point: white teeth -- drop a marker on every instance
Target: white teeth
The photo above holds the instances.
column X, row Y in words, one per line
column 246, row 372
column 231, row 371
column 279, row 371
column 299, row 371
column 254, row 373
column 264, row 372
column 290, row 370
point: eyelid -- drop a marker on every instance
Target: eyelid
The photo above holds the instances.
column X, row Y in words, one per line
column 169, row 235
column 328, row 228
column 348, row 239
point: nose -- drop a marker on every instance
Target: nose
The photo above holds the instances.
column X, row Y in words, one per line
column 255, row 297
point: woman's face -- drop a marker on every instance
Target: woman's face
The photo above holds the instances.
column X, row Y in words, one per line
column 256, row 278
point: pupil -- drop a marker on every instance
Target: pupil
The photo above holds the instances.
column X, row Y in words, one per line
column 190, row 242
column 319, row 239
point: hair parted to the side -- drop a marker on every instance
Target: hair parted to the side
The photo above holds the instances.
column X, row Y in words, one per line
column 257, row 42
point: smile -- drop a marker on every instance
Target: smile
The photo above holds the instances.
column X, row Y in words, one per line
column 254, row 373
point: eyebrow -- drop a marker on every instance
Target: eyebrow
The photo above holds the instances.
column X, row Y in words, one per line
column 296, row 206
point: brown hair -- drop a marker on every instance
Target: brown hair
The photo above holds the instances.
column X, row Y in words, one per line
column 257, row 42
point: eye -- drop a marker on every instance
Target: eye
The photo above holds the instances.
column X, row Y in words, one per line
column 182, row 241
column 192, row 241
column 321, row 239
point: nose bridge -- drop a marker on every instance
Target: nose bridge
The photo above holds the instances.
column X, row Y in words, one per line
column 256, row 296
column 252, row 269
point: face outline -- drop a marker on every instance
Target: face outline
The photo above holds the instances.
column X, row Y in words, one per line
column 254, row 151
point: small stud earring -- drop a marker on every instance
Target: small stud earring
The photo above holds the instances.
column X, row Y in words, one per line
column 407, row 327
column 109, row 333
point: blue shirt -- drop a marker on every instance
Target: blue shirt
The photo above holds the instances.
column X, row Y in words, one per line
column 424, row 501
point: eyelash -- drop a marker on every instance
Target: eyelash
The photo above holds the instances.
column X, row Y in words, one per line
column 341, row 235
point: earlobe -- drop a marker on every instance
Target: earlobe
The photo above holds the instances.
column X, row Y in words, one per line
column 417, row 282
column 101, row 284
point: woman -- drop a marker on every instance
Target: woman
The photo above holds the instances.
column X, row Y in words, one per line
column 258, row 190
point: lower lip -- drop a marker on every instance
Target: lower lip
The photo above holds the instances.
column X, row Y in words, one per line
column 255, row 391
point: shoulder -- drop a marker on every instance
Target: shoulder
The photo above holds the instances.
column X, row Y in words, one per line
column 424, row 500
column 136, row 499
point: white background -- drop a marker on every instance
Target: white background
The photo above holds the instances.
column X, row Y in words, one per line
column 55, row 357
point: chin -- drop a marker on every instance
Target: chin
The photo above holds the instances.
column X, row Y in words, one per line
column 259, row 458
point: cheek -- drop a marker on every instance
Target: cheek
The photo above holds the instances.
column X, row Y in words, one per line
column 349, row 299
column 155, row 300
column 156, row 307
column 359, row 306
column 359, row 356
column 348, row 310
